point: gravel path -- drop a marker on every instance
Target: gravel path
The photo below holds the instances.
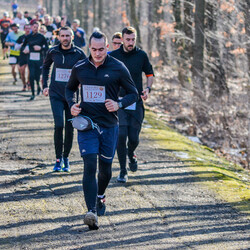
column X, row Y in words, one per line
column 163, row 206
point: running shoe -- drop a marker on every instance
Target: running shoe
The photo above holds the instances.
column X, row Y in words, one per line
column 123, row 177
column 91, row 220
column 100, row 206
column 58, row 165
column 132, row 162
column 66, row 167
column 32, row 98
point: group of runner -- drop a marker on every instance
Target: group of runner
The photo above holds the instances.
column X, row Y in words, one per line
column 110, row 87
column 25, row 42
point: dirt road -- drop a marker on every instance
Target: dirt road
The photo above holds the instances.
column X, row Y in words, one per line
column 163, row 206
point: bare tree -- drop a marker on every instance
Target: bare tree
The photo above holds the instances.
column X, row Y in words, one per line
column 247, row 27
column 134, row 21
column 218, row 83
column 199, row 97
column 85, row 15
column 100, row 11
column 158, row 16
column 60, row 9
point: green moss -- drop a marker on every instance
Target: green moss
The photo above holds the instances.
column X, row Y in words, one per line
column 228, row 180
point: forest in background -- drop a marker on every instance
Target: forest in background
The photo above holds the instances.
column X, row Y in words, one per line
column 200, row 52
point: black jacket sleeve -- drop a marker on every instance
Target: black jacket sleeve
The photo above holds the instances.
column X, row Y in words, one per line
column 128, row 85
column 45, row 46
column 46, row 68
column 71, row 88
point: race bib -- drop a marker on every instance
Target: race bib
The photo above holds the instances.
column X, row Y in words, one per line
column 48, row 34
column 35, row 56
column 131, row 107
column 62, row 75
column 12, row 60
column 93, row 93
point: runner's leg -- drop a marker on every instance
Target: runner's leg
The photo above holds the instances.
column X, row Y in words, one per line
column 122, row 148
column 57, row 107
column 89, row 181
column 69, row 132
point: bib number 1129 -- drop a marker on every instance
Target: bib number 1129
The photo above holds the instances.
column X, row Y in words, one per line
column 93, row 93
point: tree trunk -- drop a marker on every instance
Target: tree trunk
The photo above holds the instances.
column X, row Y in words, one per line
column 180, row 44
column 94, row 13
column 85, row 15
column 160, row 41
column 66, row 6
column 199, row 100
column 187, row 26
column 79, row 10
column 51, row 7
column 150, row 29
column 134, row 21
column 100, row 10
column 247, row 27
column 218, row 84
column 60, row 9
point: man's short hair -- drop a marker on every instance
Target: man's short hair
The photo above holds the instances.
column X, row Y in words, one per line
column 14, row 25
column 66, row 28
column 26, row 12
column 117, row 35
column 129, row 30
column 25, row 25
column 35, row 23
column 98, row 35
column 76, row 21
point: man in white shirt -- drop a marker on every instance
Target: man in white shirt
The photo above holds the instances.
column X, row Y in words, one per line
column 19, row 19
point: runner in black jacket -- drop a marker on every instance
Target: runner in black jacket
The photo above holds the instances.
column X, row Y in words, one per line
column 131, row 118
column 64, row 56
column 35, row 44
column 100, row 77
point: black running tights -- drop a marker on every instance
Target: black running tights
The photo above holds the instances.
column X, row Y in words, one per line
column 132, row 134
column 90, row 186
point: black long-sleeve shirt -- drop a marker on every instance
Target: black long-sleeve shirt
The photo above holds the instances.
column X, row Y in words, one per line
column 36, row 39
column 137, row 62
column 63, row 60
column 99, row 84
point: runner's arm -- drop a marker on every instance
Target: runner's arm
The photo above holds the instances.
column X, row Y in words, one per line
column 129, row 86
column 71, row 88
column 46, row 68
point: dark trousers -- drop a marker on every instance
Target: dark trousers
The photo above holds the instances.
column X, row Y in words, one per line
column 60, row 109
column 128, row 140
column 35, row 72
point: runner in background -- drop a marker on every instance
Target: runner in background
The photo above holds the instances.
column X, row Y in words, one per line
column 20, row 20
column 57, row 21
column 14, row 7
column 35, row 45
column 50, row 28
column 14, row 54
column 23, row 58
column 116, row 40
column 5, row 23
column 26, row 15
column 36, row 19
column 79, row 34
column 63, row 57
column 131, row 118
